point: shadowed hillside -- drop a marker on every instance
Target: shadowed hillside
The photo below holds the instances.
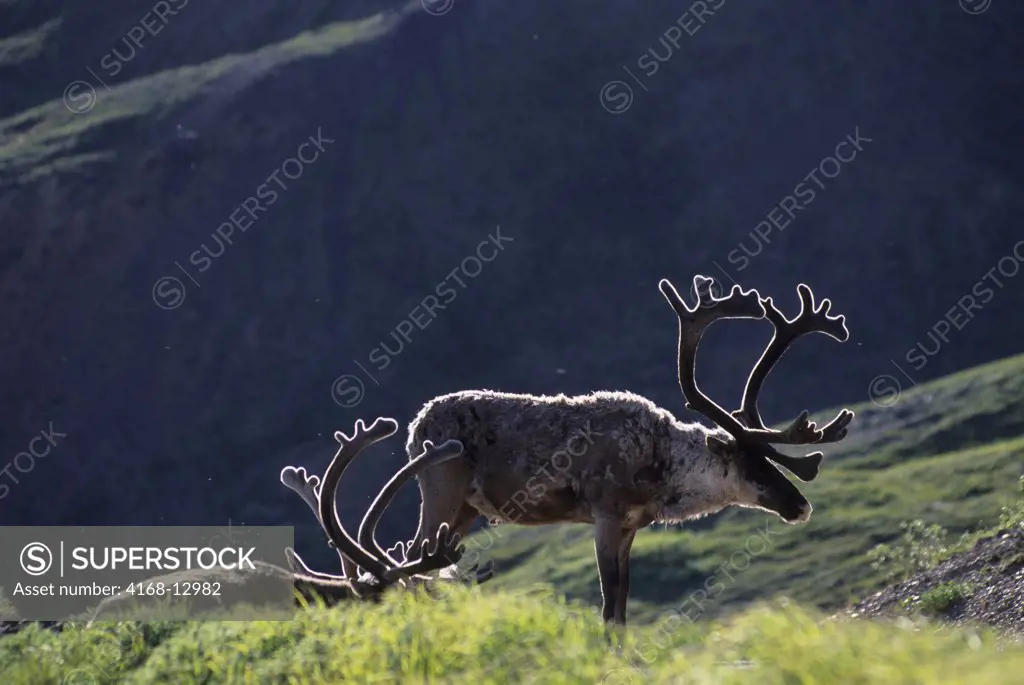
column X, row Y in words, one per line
column 180, row 400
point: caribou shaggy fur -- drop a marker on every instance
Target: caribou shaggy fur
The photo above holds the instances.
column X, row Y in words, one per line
column 613, row 459
column 535, row 460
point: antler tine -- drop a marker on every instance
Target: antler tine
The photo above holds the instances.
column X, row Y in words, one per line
column 445, row 551
column 398, row 552
column 835, row 430
column 738, row 304
column 308, row 488
column 297, row 565
column 811, row 319
column 305, row 486
column 430, row 456
column 805, row 467
column 349, row 448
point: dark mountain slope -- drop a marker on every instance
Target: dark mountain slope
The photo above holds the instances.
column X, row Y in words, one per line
column 445, row 127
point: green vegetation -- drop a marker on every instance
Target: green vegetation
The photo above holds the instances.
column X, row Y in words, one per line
column 1012, row 515
column 948, row 456
column 502, row 638
column 940, row 599
column 921, row 547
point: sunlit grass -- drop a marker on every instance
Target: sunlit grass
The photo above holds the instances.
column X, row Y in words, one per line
column 507, row 638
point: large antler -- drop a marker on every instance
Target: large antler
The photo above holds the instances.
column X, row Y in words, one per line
column 738, row 304
column 308, row 488
column 446, row 548
column 811, row 319
column 440, row 553
column 320, row 496
column 754, row 437
column 323, row 495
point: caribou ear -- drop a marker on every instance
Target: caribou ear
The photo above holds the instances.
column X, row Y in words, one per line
column 718, row 446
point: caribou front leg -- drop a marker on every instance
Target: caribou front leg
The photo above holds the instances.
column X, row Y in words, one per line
column 608, row 537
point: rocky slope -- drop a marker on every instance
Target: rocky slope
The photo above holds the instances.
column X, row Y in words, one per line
column 982, row 586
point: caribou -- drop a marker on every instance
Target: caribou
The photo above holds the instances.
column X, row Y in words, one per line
column 525, row 459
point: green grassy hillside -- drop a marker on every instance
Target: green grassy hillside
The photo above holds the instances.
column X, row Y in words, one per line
column 506, row 638
column 948, row 452
column 52, row 138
